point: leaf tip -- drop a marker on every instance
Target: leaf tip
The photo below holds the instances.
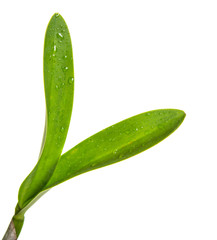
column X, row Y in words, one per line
column 56, row 15
column 181, row 114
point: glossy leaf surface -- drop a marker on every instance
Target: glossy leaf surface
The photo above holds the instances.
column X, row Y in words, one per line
column 116, row 143
column 59, row 89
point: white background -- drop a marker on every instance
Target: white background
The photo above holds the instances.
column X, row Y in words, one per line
column 129, row 57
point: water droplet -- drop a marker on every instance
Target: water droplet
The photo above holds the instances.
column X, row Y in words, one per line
column 65, row 69
column 62, row 129
column 65, row 56
column 63, row 84
column 93, row 165
column 115, row 151
column 57, row 86
column 137, row 129
column 111, row 139
column 70, row 80
column 55, row 48
column 121, row 156
column 148, row 114
column 57, row 15
column 142, row 127
column 60, row 36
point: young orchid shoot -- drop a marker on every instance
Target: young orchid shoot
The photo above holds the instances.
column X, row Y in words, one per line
column 113, row 144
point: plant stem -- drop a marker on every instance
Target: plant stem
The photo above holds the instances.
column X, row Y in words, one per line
column 14, row 228
column 11, row 232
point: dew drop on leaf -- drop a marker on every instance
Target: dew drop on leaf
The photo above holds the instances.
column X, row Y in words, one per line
column 60, row 36
column 93, row 165
column 70, row 80
column 115, row 151
column 121, row 156
column 127, row 132
column 62, row 129
column 65, row 69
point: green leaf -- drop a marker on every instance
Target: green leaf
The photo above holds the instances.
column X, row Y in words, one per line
column 118, row 142
column 59, row 89
column 113, row 144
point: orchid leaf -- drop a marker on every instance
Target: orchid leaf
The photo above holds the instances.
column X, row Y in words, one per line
column 118, row 142
column 59, row 88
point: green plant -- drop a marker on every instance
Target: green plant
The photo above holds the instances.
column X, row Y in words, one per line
column 109, row 146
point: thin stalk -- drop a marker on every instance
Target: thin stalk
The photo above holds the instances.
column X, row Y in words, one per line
column 14, row 228
column 11, row 232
